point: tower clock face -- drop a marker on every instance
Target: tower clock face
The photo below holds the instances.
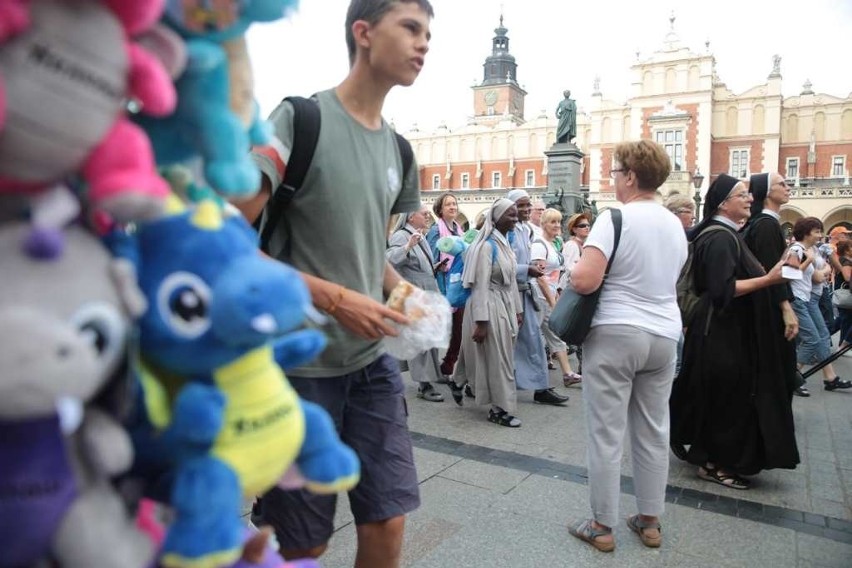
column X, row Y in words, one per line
column 490, row 97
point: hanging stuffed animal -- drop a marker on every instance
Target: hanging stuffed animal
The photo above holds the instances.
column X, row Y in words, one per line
column 64, row 323
column 217, row 118
column 67, row 71
column 217, row 421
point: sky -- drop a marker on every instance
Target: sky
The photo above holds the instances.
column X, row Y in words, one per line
column 562, row 44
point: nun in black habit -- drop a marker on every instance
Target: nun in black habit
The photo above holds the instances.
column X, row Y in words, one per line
column 730, row 403
column 765, row 239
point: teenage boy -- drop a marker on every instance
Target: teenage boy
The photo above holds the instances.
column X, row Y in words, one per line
column 354, row 184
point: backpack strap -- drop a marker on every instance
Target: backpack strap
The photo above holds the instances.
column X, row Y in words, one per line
column 306, row 130
column 406, row 153
column 616, row 228
column 712, row 228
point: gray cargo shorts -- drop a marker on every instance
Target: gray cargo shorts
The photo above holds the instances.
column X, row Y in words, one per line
column 369, row 410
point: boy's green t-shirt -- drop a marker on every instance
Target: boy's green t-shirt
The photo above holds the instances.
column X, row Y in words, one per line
column 336, row 224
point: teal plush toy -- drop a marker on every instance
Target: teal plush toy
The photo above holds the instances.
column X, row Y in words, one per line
column 218, row 422
column 217, row 118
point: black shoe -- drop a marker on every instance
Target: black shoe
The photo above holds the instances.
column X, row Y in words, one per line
column 837, row 383
column 468, row 392
column 802, row 391
column 549, row 396
column 456, row 391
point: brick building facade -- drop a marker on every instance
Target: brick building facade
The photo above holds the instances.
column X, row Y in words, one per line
column 677, row 99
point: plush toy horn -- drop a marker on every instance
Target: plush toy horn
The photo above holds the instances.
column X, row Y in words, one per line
column 207, row 216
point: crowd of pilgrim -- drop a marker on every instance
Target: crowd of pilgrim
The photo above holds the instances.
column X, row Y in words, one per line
column 718, row 393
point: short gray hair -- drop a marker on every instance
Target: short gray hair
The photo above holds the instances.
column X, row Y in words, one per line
column 372, row 11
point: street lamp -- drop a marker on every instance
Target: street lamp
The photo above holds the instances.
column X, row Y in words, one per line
column 697, row 180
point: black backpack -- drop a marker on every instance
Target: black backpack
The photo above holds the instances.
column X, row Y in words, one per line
column 306, row 130
column 687, row 296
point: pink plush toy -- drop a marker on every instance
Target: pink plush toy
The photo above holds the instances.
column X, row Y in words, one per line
column 67, row 71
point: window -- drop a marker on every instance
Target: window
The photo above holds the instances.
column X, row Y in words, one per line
column 465, row 181
column 496, row 179
column 739, row 163
column 672, row 141
column 436, row 181
column 529, row 180
column 792, row 168
column 838, row 166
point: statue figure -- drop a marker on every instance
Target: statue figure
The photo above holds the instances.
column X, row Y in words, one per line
column 776, row 64
column 566, row 112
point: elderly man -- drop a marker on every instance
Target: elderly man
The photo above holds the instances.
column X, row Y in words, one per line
column 530, row 359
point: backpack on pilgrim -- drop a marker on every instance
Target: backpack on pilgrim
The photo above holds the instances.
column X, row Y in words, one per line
column 457, row 294
column 306, row 131
column 687, row 296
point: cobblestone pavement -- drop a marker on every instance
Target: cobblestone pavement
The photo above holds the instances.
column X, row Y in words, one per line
column 503, row 497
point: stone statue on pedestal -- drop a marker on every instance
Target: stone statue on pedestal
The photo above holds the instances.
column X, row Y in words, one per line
column 566, row 112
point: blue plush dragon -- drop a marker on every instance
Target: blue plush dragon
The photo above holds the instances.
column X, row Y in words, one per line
column 217, row 420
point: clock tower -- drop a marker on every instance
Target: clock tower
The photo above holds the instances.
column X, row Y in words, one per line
column 499, row 96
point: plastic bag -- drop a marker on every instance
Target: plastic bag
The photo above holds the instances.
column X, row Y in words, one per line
column 430, row 327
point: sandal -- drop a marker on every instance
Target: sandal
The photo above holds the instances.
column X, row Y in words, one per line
column 428, row 392
column 837, row 383
column 637, row 525
column 587, row 533
column 730, row 480
column 569, row 379
column 503, row 418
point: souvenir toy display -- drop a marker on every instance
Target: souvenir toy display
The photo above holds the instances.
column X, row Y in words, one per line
column 64, row 320
column 77, row 58
column 217, row 118
column 217, row 421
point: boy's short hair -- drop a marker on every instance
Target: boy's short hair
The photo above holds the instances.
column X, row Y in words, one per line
column 371, row 11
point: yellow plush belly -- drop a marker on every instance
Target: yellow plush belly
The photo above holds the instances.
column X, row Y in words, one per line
column 264, row 425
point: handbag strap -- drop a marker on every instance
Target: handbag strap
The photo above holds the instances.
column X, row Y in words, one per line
column 616, row 228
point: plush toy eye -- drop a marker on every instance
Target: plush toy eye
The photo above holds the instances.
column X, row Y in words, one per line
column 184, row 302
column 103, row 327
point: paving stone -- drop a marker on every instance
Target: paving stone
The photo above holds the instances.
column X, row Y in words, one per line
column 487, row 476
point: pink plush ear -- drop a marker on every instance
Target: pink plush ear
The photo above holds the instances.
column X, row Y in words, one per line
column 14, row 18
column 148, row 523
column 150, row 84
column 136, row 15
column 167, row 46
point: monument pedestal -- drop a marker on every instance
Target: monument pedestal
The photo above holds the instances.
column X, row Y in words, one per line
column 564, row 165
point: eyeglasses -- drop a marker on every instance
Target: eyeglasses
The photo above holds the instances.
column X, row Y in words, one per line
column 612, row 171
column 682, row 211
column 540, row 209
column 741, row 195
column 582, row 226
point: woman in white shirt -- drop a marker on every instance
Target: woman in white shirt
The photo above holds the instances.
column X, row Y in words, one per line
column 813, row 343
column 629, row 353
column 552, row 264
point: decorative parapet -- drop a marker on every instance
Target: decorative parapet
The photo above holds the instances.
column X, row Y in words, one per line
column 821, row 192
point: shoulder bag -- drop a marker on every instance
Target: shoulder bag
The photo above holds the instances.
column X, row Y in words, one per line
column 572, row 316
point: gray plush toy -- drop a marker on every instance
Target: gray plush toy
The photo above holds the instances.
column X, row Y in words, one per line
column 64, row 323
